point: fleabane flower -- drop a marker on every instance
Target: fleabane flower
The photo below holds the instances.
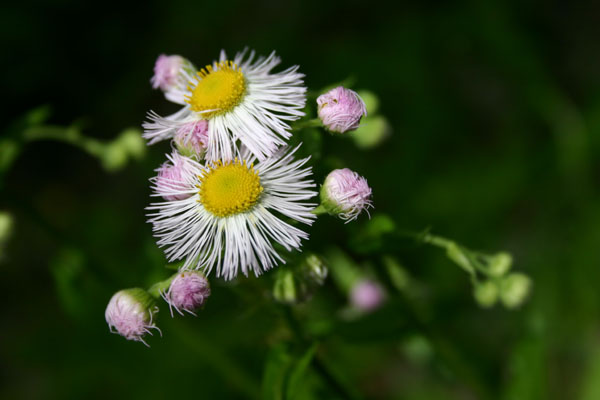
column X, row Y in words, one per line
column 172, row 74
column 341, row 109
column 130, row 313
column 345, row 194
column 188, row 291
column 172, row 177
column 233, row 211
column 242, row 100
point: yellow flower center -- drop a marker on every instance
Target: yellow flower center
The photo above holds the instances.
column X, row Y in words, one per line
column 229, row 188
column 218, row 90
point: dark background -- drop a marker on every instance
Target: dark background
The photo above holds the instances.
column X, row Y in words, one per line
column 495, row 110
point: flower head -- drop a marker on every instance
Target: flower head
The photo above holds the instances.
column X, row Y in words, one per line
column 130, row 313
column 188, row 291
column 232, row 213
column 172, row 177
column 341, row 109
column 242, row 100
column 345, row 194
column 367, row 295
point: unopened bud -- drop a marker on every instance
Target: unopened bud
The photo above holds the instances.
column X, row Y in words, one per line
column 131, row 140
column 173, row 179
column 486, row 293
column 191, row 138
column 345, row 194
column 171, row 75
column 315, row 269
column 166, row 71
column 341, row 109
column 514, row 289
column 499, row 264
column 6, row 223
column 130, row 313
column 188, row 291
column 284, row 290
column 371, row 132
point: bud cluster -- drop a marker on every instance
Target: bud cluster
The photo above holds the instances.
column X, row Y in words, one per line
column 131, row 313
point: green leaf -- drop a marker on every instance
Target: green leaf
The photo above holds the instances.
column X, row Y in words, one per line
column 528, row 366
column 399, row 277
column 67, row 268
column 279, row 361
column 368, row 237
column 344, row 271
column 9, row 150
column 298, row 373
column 38, row 115
column 590, row 384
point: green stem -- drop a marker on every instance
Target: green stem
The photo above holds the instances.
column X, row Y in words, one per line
column 70, row 135
column 309, row 123
column 319, row 210
column 426, row 237
column 438, row 241
column 160, row 287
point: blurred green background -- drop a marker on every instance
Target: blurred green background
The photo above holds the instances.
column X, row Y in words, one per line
column 495, row 116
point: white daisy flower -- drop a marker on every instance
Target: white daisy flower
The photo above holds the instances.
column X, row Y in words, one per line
column 227, row 214
column 242, row 100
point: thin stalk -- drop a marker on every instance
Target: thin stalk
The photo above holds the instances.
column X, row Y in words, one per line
column 309, row 123
column 160, row 287
column 320, row 210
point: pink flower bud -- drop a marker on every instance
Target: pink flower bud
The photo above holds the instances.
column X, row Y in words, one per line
column 174, row 177
column 130, row 313
column 192, row 138
column 367, row 295
column 166, row 72
column 188, row 291
column 345, row 194
column 341, row 109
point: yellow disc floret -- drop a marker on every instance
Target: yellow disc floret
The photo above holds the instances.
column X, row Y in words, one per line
column 218, row 90
column 229, row 188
